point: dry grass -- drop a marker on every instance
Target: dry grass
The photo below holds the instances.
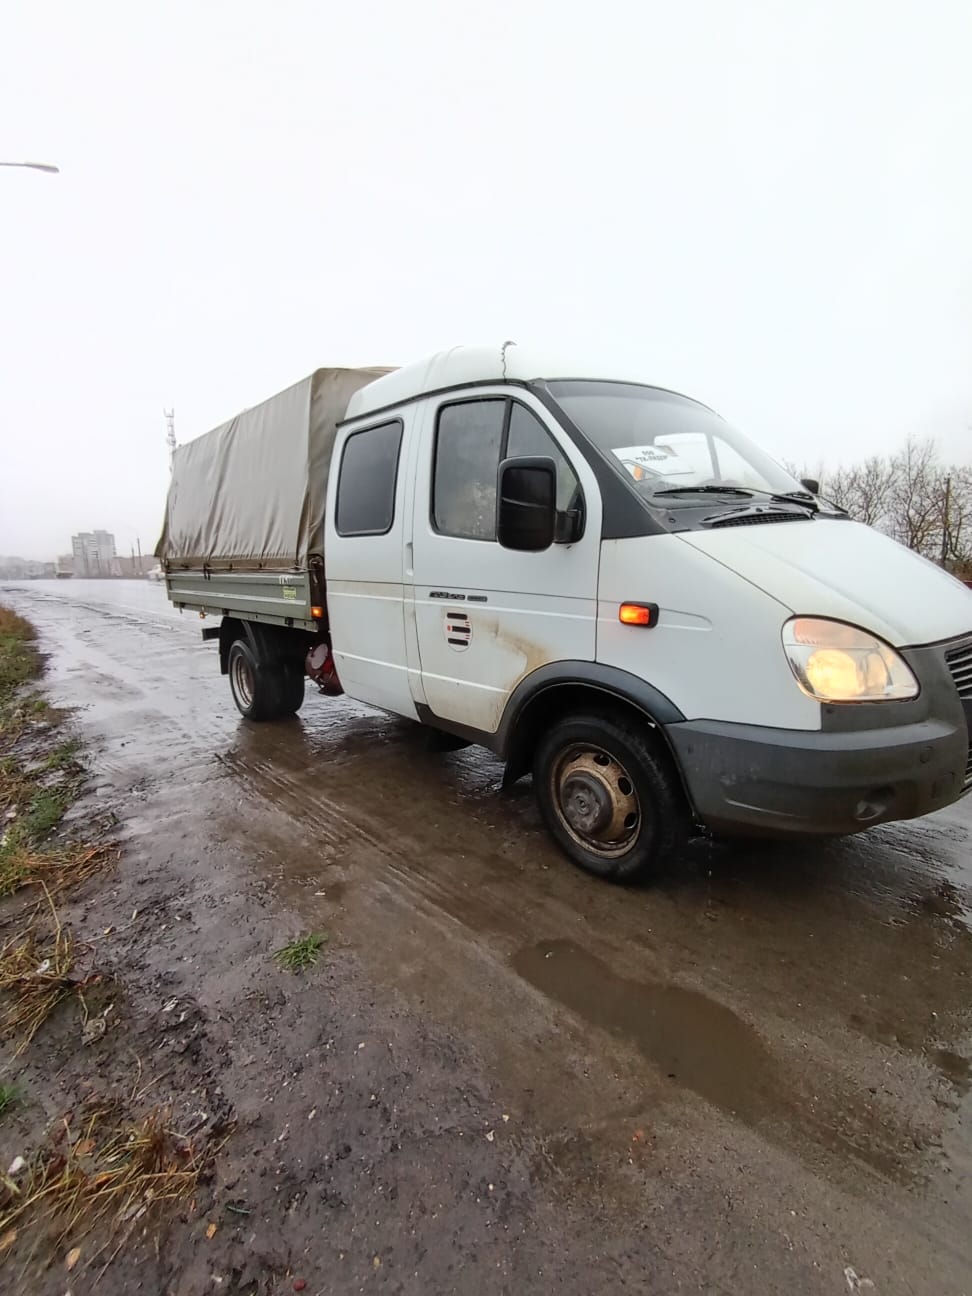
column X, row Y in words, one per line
column 23, row 864
column 35, row 976
column 99, row 1170
column 102, row 1168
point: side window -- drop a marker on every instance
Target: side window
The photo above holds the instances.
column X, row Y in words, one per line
column 468, row 441
column 366, row 484
column 528, row 436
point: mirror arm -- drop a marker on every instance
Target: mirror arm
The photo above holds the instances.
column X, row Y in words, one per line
column 569, row 526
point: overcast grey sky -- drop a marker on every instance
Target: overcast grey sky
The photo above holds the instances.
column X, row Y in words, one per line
column 764, row 204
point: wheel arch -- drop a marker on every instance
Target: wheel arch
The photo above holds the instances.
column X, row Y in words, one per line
column 230, row 629
column 268, row 642
column 565, row 687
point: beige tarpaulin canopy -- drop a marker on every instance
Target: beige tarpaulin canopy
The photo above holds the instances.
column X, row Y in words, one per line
column 252, row 492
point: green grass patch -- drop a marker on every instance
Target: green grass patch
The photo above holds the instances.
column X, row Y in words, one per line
column 36, row 706
column 45, row 810
column 63, row 757
column 39, row 777
column 301, row 953
column 19, row 659
column 9, row 1097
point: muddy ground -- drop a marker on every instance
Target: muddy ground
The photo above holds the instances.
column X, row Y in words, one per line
column 502, row 1077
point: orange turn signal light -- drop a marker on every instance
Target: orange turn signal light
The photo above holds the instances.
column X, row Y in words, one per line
column 638, row 614
column 317, row 613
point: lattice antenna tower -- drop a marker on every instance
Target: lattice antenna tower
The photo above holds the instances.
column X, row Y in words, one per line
column 170, row 440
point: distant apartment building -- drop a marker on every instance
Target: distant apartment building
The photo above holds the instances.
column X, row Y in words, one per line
column 94, row 553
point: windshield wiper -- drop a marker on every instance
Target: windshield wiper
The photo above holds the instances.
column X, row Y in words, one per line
column 705, row 490
column 797, row 497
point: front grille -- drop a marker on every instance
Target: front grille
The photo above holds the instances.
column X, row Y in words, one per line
column 959, row 663
column 755, row 519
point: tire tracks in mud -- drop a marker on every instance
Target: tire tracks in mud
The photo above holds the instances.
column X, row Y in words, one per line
column 749, row 1081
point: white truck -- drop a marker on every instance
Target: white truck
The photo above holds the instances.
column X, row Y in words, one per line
column 598, row 579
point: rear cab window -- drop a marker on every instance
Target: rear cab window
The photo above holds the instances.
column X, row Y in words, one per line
column 367, row 479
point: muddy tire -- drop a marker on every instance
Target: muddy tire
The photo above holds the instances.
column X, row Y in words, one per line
column 609, row 796
column 291, row 688
column 258, row 686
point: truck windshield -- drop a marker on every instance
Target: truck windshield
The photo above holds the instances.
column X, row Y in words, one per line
column 668, row 443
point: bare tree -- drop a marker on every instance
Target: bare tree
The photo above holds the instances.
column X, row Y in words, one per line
column 875, row 489
column 839, row 487
column 865, row 490
column 916, row 496
column 911, row 496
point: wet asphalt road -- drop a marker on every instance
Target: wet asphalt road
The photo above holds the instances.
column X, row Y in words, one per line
column 786, row 1032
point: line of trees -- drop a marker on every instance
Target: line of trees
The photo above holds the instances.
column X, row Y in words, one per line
column 912, row 496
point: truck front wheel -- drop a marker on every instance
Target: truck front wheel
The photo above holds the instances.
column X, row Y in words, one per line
column 263, row 690
column 609, row 796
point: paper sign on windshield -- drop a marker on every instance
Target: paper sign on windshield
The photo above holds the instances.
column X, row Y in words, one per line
column 653, row 461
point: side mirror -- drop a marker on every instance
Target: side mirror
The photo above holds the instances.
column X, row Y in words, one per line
column 811, row 484
column 526, row 509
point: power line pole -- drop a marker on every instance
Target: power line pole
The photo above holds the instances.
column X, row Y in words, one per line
column 945, row 518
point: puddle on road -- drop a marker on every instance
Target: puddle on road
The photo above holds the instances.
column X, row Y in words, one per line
column 695, row 1041
column 702, row 1046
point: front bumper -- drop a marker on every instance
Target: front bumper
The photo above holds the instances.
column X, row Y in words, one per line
column 746, row 779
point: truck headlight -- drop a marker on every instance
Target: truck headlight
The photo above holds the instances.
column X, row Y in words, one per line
column 835, row 662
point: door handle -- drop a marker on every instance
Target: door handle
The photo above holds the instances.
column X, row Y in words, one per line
column 409, row 559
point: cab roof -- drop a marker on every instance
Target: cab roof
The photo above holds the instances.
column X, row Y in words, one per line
column 461, row 366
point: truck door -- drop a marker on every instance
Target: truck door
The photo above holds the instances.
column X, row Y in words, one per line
column 486, row 617
column 367, row 528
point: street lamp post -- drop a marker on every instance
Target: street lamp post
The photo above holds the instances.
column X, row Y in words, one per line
column 35, row 166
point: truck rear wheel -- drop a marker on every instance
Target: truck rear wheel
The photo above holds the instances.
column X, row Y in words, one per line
column 609, row 797
column 263, row 690
column 291, row 688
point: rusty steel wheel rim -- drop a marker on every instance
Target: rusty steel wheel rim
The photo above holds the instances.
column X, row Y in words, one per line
column 242, row 680
column 595, row 799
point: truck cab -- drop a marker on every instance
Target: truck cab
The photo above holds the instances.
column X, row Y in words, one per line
column 607, row 585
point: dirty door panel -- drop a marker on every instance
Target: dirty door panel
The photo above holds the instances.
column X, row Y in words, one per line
column 367, row 529
column 486, row 616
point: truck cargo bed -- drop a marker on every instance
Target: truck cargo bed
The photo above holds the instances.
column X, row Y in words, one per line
column 275, row 597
